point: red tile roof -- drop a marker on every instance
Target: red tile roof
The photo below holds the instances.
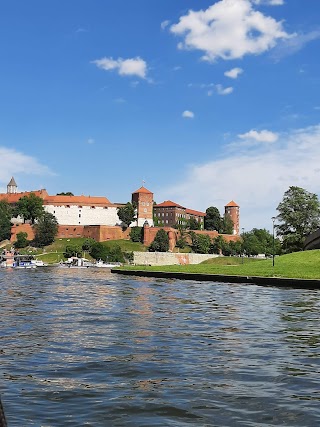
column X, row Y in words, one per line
column 195, row 213
column 142, row 190
column 14, row 197
column 77, row 200
column 232, row 204
column 168, row 203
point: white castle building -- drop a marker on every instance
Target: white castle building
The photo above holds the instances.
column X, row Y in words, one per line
column 85, row 210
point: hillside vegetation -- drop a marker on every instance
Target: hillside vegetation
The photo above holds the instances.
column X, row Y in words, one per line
column 54, row 253
column 304, row 265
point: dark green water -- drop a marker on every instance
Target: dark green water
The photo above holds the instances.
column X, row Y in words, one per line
column 89, row 348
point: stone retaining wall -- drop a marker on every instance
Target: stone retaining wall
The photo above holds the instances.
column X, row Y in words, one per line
column 167, row 258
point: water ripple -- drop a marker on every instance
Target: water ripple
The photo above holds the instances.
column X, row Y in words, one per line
column 87, row 348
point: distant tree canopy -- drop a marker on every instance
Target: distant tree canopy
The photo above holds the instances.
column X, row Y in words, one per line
column 160, row 243
column 45, row 229
column 22, row 240
column 200, row 243
column 105, row 253
column 127, row 214
column 259, row 241
column 136, row 234
column 193, row 224
column 68, row 193
column 299, row 216
column 5, row 220
column 213, row 220
column 30, row 207
column 227, row 224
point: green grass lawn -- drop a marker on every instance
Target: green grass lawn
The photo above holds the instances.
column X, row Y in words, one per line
column 54, row 253
column 304, row 265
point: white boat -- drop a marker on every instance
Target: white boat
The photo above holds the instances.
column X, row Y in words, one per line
column 75, row 262
column 10, row 259
column 38, row 263
column 102, row 264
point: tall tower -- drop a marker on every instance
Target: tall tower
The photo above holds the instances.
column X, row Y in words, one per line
column 143, row 199
column 233, row 210
column 12, row 186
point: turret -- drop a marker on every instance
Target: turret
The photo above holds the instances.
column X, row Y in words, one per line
column 12, row 186
column 232, row 209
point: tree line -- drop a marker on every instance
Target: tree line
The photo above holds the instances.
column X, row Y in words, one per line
column 298, row 216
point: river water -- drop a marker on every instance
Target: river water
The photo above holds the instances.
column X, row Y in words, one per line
column 91, row 348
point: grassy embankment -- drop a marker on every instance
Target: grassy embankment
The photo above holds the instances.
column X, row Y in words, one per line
column 54, row 253
column 302, row 265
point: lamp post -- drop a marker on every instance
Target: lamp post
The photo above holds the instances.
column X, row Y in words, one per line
column 242, row 245
column 273, row 220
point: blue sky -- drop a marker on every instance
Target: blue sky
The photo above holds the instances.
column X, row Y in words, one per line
column 206, row 101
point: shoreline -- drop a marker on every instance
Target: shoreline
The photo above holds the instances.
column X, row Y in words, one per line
column 202, row 277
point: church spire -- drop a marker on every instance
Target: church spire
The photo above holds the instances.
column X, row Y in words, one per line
column 12, row 186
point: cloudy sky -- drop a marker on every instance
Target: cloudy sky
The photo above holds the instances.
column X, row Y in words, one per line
column 205, row 101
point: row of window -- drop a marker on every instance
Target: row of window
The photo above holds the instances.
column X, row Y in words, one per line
column 80, row 207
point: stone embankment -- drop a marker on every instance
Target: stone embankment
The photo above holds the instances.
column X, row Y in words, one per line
column 282, row 282
column 167, row 258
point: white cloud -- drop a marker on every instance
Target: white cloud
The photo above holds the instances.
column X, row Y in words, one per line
column 90, row 141
column 234, row 73
column 13, row 162
column 269, row 2
column 255, row 179
column 188, row 114
column 229, row 29
column 125, row 67
column 262, row 136
column 164, row 24
column 293, row 44
column 224, row 91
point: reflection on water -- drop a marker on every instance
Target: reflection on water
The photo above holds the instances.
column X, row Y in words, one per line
column 88, row 348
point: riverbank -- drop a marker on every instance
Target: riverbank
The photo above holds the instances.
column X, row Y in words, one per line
column 301, row 269
column 250, row 280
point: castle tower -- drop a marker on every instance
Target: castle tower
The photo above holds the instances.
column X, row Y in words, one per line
column 143, row 199
column 12, row 186
column 232, row 209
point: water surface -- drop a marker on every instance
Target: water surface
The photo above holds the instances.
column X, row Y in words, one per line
column 90, row 348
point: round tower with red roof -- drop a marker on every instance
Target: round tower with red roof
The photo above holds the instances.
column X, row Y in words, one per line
column 233, row 210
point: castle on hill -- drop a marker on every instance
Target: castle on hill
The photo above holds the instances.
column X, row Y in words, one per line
column 97, row 217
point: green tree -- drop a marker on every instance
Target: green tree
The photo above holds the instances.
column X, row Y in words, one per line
column 193, row 224
column 5, row 220
column 127, row 214
column 218, row 245
column 200, row 243
column 213, row 220
column 72, row 250
column 136, row 234
column 160, row 243
column 103, row 252
column 45, row 229
column 299, row 216
column 87, row 244
column 22, row 240
column 30, row 207
column 227, row 224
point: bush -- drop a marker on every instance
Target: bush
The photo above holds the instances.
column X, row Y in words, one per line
column 22, row 240
column 72, row 250
column 160, row 243
column 136, row 234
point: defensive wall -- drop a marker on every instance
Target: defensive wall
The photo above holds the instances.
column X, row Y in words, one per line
column 169, row 258
column 100, row 233
column 149, row 233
